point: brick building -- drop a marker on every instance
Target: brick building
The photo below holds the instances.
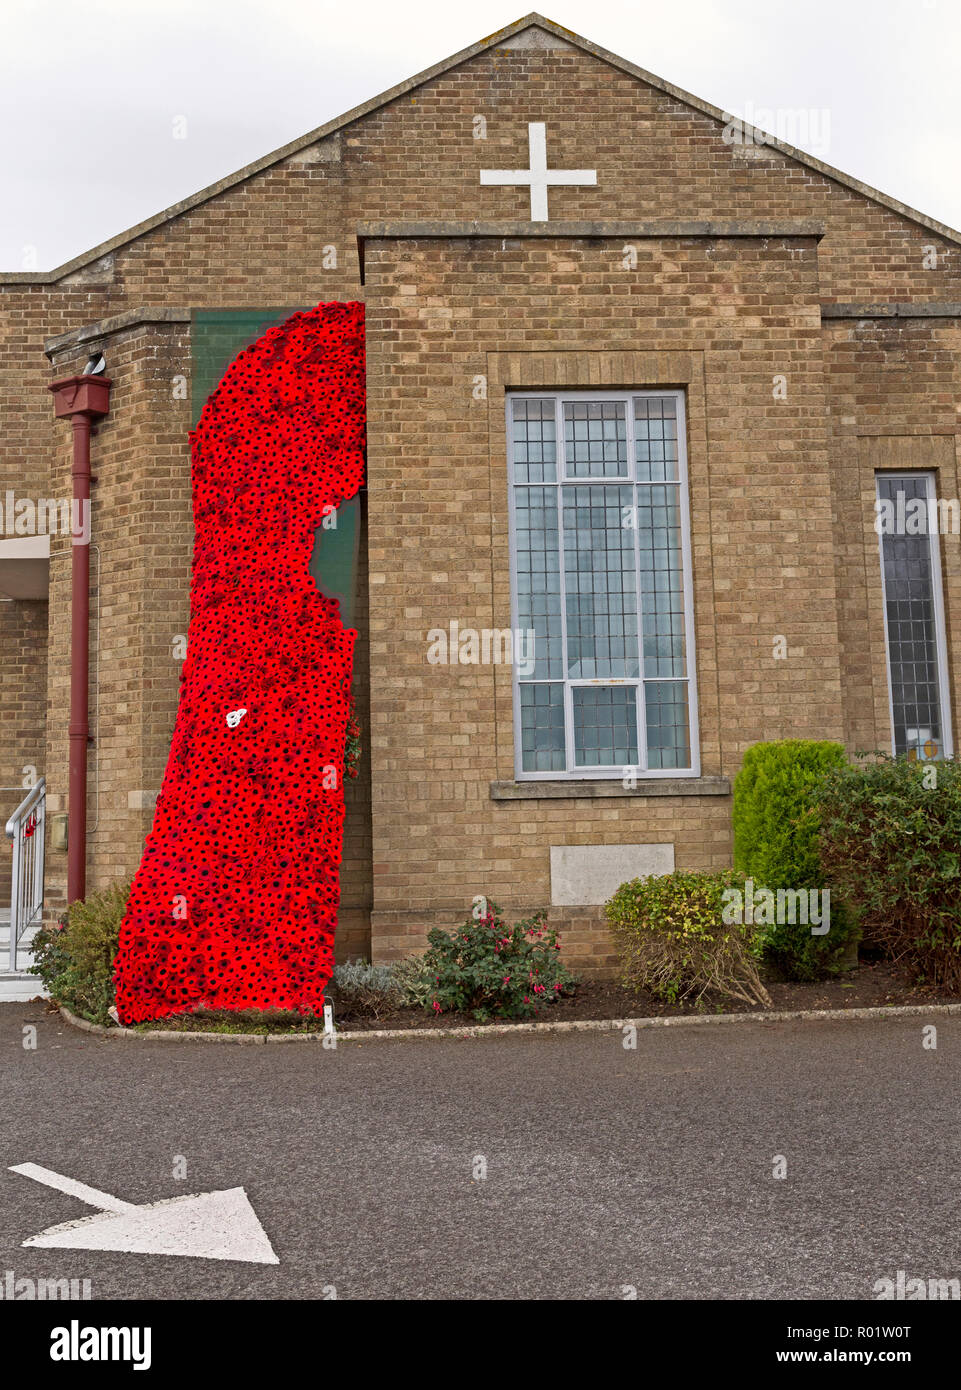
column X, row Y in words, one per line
column 636, row 380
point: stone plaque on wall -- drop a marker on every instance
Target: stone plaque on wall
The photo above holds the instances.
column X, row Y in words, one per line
column 590, row 874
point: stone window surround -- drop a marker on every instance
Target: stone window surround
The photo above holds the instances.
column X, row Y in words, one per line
column 601, row 368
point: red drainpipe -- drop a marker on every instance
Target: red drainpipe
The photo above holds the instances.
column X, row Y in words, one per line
column 81, row 399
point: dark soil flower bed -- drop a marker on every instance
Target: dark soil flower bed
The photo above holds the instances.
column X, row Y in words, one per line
column 871, row 984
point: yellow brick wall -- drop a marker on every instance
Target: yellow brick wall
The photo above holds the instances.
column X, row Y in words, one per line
column 442, row 313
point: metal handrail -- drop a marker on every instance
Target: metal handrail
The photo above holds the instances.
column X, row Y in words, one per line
column 27, row 829
column 33, row 796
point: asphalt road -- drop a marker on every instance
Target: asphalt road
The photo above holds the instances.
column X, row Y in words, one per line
column 607, row 1169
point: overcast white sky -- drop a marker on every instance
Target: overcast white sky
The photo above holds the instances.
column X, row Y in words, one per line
column 90, row 90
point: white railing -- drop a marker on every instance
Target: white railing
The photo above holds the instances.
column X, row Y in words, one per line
column 26, row 828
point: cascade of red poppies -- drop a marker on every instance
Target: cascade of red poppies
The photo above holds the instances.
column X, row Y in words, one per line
column 234, row 904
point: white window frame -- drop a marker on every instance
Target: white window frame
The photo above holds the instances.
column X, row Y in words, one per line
column 572, row 772
column 929, row 478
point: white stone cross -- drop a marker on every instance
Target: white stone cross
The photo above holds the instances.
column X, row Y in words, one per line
column 538, row 176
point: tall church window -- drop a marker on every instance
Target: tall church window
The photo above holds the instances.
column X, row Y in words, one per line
column 908, row 521
column 601, row 574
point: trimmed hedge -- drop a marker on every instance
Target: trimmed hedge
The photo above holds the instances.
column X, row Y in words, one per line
column 890, row 838
column 673, row 940
column 776, row 845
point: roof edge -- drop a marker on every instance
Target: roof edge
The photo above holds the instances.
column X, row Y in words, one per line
column 116, row 323
column 445, row 65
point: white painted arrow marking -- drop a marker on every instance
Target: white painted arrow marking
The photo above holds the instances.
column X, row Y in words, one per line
column 206, row 1225
column 91, row 1195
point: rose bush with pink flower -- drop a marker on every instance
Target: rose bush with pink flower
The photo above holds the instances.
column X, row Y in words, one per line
column 490, row 970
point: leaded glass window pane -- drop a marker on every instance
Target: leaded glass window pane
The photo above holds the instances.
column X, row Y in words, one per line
column 534, row 437
column 542, row 728
column 538, row 576
column 655, row 439
column 910, row 613
column 595, row 439
column 605, row 725
column 662, row 578
column 667, row 724
column 599, row 540
column 600, row 582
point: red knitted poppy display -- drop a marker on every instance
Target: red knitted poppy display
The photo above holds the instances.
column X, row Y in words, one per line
column 234, row 904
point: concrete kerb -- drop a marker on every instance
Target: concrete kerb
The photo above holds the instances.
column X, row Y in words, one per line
column 601, row 1025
